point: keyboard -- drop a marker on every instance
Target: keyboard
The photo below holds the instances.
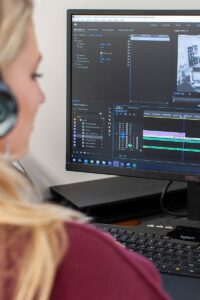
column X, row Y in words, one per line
column 170, row 255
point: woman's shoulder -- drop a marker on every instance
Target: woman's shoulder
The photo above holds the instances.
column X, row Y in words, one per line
column 93, row 238
column 101, row 267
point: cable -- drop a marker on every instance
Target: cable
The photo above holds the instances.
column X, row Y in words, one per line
column 162, row 202
column 18, row 165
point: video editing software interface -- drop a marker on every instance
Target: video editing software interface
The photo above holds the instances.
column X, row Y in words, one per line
column 136, row 92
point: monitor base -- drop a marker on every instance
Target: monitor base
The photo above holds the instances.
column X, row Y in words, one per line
column 119, row 198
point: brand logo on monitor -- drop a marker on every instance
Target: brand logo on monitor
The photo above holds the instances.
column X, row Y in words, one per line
column 192, row 178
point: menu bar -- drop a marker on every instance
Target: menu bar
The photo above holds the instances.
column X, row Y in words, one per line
column 121, row 18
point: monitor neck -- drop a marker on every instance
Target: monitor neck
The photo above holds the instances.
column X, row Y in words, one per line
column 193, row 201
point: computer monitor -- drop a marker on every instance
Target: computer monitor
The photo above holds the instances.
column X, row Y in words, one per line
column 133, row 95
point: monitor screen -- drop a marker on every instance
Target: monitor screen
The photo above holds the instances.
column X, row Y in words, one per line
column 133, row 96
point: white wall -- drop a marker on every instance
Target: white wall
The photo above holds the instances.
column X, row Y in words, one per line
column 46, row 164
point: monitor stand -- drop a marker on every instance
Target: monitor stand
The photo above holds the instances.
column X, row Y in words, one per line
column 118, row 198
column 182, row 228
column 193, row 201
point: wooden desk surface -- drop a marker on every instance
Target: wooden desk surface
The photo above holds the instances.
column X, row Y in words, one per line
column 128, row 223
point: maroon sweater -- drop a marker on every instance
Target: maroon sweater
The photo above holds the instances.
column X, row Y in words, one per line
column 95, row 267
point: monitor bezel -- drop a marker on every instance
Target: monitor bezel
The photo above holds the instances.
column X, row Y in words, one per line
column 79, row 167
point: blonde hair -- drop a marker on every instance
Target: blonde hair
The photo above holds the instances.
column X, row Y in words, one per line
column 33, row 238
column 14, row 17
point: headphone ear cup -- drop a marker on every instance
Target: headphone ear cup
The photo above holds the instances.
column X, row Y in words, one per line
column 8, row 110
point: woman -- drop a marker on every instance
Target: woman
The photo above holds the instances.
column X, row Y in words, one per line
column 46, row 252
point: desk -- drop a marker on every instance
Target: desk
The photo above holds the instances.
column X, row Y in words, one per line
column 128, row 223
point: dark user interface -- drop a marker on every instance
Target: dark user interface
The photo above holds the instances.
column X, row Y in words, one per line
column 136, row 92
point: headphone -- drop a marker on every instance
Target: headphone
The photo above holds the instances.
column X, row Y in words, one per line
column 8, row 109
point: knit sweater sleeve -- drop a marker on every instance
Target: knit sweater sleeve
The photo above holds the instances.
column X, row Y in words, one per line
column 96, row 267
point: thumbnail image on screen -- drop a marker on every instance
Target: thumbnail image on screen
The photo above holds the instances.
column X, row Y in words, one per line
column 188, row 71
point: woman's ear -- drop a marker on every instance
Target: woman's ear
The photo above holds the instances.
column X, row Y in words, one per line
column 8, row 109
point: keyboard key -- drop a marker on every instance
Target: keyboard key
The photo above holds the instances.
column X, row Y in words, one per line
column 129, row 232
column 150, row 248
column 122, row 238
column 114, row 230
column 149, row 235
column 141, row 240
column 150, row 241
column 194, row 265
column 194, row 271
column 132, row 246
column 169, row 244
column 131, row 239
column 160, row 242
column 141, row 247
column 169, row 251
column 121, row 230
column 159, row 249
